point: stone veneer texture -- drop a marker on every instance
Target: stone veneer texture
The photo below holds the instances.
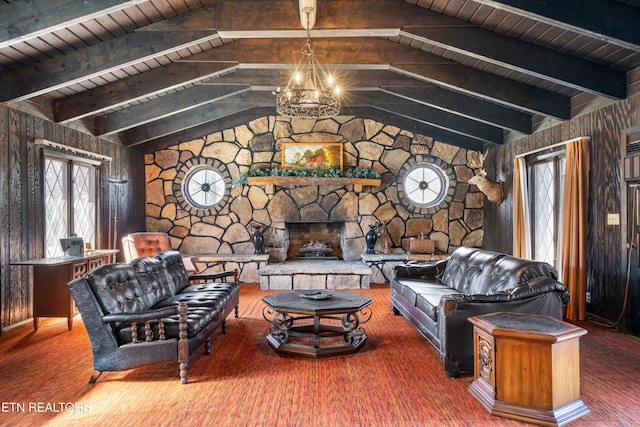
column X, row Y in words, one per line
column 226, row 228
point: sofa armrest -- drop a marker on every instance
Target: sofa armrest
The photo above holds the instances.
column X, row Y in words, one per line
column 541, row 295
column 141, row 316
column 420, row 271
column 524, row 290
column 210, row 277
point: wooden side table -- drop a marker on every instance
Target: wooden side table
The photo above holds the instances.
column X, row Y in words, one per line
column 527, row 367
column 51, row 296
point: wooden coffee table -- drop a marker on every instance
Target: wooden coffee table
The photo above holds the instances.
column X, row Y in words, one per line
column 316, row 323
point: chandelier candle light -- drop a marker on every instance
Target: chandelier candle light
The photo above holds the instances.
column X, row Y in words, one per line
column 305, row 95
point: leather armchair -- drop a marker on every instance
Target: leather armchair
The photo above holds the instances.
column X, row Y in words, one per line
column 150, row 243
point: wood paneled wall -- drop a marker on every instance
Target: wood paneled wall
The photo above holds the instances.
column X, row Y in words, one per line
column 22, row 208
column 606, row 251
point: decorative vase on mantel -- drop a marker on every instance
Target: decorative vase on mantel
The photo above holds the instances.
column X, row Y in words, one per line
column 372, row 237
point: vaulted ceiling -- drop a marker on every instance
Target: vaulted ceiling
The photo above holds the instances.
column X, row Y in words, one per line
column 469, row 73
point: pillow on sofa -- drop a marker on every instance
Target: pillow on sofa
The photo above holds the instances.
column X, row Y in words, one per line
column 474, row 271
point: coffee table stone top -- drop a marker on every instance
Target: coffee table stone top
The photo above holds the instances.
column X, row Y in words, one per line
column 317, row 301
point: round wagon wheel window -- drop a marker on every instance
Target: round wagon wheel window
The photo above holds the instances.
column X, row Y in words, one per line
column 203, row 187
column 426, row 185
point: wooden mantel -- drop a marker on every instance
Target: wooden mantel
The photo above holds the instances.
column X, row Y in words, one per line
column 288, row 181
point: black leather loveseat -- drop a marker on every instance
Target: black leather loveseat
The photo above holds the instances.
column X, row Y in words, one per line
column 439, row 298
column 149, row 311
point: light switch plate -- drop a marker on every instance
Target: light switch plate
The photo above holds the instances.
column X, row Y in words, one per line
column 613, row 219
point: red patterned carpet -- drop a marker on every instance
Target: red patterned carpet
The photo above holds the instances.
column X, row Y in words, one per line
column 395, row 380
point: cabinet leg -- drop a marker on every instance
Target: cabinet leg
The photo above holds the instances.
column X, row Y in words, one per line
column 70, row 322
column 36, row 323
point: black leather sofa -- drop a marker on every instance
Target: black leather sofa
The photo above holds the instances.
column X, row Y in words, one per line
column 149, row 311
column 439, row 298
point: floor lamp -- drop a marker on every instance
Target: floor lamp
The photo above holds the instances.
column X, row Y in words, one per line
column 116, row 184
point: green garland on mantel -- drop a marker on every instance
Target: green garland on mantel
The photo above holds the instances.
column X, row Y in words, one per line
column 326, row 173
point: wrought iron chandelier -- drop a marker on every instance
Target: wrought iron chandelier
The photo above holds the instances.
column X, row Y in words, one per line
column 305, row 95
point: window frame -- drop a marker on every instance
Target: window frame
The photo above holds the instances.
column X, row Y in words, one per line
column 557, row 157
column 70, row 161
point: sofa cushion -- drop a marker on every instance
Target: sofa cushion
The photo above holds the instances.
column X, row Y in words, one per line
column 215, row 300
column 467, row 268
column 118, row 290
column 411, row 288
column 428, row 301
column 508, row 271
column 476, row 271
column 153, row 279
column 173, row 267
column 228, row 287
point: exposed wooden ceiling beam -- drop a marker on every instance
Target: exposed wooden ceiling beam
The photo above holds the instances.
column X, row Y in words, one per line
column 249, row 16
column 412, row 89
column 430, row 27
column 23, row 20
column 433, row 68
column 197, row 116
column 428, row 115
column 134, row 88
column 458, row 121
column 352, row 78
column 491, row 87
column 352, row 51
column 245, row 116
column 453, row 102
column 468, row 106
column 451, row 76
column 417, row 90
column 217, row 125
column 446, row 124
column 611, row 21
column 415, row 126
column 163, row 107
column 64, row 70
column 527, row 58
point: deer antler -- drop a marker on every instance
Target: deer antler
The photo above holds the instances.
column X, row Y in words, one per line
column 476, row 160
column 491, row 189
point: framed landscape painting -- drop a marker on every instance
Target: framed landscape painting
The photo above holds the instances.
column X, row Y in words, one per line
column 312, row 156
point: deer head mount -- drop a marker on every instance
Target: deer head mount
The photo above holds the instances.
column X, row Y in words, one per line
column 491, row 189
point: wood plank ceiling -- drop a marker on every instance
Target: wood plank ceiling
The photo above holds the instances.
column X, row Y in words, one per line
column 469, row 73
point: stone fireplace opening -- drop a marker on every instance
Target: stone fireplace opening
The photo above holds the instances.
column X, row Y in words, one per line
column 307, row 235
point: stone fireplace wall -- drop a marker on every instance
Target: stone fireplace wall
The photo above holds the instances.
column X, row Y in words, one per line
column 227, row 227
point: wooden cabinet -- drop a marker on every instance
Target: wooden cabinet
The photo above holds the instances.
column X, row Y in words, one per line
column 527, row 367
column 51, row 297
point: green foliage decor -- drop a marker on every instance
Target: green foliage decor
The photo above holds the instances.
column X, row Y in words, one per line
column 326, row 173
